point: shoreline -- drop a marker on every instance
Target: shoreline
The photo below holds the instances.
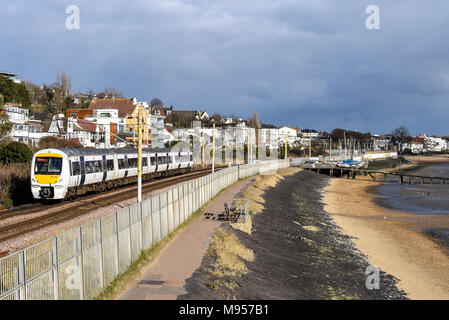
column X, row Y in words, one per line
column 298, row 252
column 391, row 239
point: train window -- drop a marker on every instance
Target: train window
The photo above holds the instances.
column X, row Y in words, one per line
column 144, row 162
column 98, row 166
column 132, row 163
column 122, row 164
column 90, row 167
column 94, row 166
column 191, row 157
column 162, row 160
column 110, row 164
column 153, row 161
column 76, row 168
column 48, row 165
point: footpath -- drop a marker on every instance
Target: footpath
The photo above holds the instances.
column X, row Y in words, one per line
column 165, row 277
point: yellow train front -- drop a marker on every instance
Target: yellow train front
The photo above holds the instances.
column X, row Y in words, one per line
column 66, row 173
column 49, row 174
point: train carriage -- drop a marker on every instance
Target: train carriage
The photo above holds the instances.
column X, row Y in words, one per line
column 66, row 173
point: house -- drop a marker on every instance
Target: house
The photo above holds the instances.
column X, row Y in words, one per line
column 37, row 126
column 380, row 142
column 290, row 133
column 270, row 137
column 157, row 127
column 11, row 76
column 127, row 109
column 433, row 144
column 15, row 113
column 86, row 132
column 310, row 133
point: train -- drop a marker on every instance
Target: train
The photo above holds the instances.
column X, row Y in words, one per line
column 58, row 174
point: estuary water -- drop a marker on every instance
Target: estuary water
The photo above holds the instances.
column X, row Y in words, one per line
column 416, row 198
column 420, row 199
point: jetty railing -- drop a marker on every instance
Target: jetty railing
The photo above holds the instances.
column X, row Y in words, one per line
column 378, row 176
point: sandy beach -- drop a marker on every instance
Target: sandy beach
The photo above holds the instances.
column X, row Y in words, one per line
column 392, row 239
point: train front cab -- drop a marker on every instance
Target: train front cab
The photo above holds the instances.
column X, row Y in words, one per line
column 49, row 175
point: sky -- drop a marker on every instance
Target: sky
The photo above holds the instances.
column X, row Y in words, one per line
column 310, row 64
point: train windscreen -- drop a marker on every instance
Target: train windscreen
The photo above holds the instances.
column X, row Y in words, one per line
column 48, row 165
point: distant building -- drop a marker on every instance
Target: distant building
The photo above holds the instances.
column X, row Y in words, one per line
column 86, row 132
column 310, row 133
column 11, row 76
column 16, row 113
column 290, row 133
column 127, row 109
column 380, row 142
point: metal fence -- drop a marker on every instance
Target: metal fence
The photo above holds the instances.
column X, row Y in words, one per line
column 80, row 262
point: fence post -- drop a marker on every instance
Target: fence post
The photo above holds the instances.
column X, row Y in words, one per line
column 160, row 217
column 140, row 214
column 22, row 275
column 81, row 273
column 56, row 270
column 101, row 254
column 118, row 242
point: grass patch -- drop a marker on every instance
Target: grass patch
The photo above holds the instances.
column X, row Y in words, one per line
column 229, row 254
column 15, row 187
column 122, row 281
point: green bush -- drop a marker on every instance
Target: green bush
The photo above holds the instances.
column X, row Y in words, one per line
column 15, row 152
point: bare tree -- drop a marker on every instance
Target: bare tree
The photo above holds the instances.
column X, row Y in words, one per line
column 64, row 83
column 112, row 92
column 62, row 88
column 256, row 120
column 400, row 136
column 156, row 103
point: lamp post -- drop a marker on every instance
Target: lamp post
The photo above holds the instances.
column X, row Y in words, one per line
column 285, row 155
column 139, row 157
column 213, row 145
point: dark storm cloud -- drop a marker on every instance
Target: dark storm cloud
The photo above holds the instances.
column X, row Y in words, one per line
column 300, row 63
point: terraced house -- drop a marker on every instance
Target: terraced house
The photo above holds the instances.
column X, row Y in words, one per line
column 127, row 112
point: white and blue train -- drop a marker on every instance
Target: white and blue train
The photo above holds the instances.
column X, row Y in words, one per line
column 66, row 173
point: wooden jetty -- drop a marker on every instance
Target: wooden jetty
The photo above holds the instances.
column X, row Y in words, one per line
column 376, row 175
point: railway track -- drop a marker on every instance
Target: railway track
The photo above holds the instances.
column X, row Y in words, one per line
column 83, row 205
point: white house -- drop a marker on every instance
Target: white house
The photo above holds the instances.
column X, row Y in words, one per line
column 290, row 133
column 15, row 113
column 86, row 132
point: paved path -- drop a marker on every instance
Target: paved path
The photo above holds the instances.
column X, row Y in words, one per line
column 164, row 278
